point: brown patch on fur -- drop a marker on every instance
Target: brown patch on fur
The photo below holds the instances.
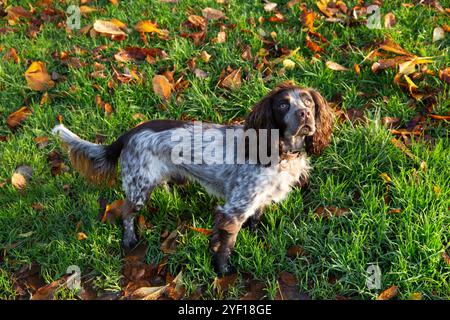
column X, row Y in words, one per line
column 104, row 174
column 324, row 125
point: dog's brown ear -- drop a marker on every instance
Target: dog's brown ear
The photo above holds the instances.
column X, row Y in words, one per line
column 261, row 116
column 316, row 143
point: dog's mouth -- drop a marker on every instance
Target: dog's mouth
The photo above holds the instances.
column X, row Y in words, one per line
column 306, row 130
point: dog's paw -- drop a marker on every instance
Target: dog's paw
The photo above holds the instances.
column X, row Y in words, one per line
column 221, row 267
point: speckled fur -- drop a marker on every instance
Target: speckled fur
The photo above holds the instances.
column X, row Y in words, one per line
column 146, row 161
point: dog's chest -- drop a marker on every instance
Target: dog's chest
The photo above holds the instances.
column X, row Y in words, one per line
column 286, row 174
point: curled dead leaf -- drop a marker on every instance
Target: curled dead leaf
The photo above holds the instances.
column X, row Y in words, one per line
column 444, row 75
column 389, row 20
column 210, row 14
column 16, row 118
column 230, row 78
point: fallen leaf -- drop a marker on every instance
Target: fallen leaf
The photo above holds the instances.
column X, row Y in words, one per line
column 446, row 258
column 205, row 56
column 288, row 288
column 295, row 251
column 307, row 18
column 277, row 17
column 270, row 6
column 16, row 118
column 162, row 87
column 331, row 211
column 205, row 232
column 38, row 78
column 81, row 236
column 47, row 292
column 357, row 69
column 169, row 245
column 197, row 21
column 288, row 64
column 112, row 28
column 389, row 20
column 147, row 26
column 210, row 14
column 385, row 177
column 314, row 47
column 136, row 54
column 335, row 66
column 11, row 54
column 176, row 289
column 389, row 293
column 21, row 176
column 230, row 79
column 439, row 117
column 415, row 296
column 444, row 75
column 112, row 211
column 56, row 163
column 391, row 46
column 200, row 73
column 438, row 34
column 222, row 284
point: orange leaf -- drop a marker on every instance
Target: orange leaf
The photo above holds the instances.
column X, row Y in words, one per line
column 162, row 87
column 307, row 18
column 232, row 80
column 444, row 75
column 81, row 236
column 439, row 117
column 313, row 46
column 391, row 46
column 389, row 293
column 17, row 117
column 205, row 232
column 38, row 78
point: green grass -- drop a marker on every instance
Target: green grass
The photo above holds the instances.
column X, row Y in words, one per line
column 407, row 246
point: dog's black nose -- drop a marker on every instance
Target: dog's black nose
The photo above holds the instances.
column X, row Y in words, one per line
column 304, row 114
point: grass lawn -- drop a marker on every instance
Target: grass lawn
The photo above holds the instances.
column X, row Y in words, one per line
column 409, row 244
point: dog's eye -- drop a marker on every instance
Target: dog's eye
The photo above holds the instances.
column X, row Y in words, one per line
column 307, row 102
column 284, row 106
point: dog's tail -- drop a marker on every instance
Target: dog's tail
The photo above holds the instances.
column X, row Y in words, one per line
column 97, row 163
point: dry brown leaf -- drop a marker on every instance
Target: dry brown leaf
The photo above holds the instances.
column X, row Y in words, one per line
column 277, row 17
column 11, row 54
column 86, row 9
column 37, row 77
column 230, row 79
column 223, row 283
column 197, row 21
column 389, row 293
column 389, row 20
column 221, row 37
column 56, row 163
column 391, row 46
column 295, row 251
column 444, row 75
column 16, row 118
column 335, row 66
column 210, row 13
column 288, row 288
column 137, row 54
column 47, row 292
column 205, row 56
column 169, row 245
column 21, row 176
column 162, row 87
column 446, row 258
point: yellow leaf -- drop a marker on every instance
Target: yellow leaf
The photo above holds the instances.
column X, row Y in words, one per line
column 385, row 177
column 81, row 236
column 108, row 27
column 37, row 77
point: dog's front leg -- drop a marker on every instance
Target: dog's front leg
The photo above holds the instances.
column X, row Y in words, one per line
column 226, row 229
column 129, row 239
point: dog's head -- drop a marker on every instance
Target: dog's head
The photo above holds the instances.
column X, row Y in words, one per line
column 301, row 115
